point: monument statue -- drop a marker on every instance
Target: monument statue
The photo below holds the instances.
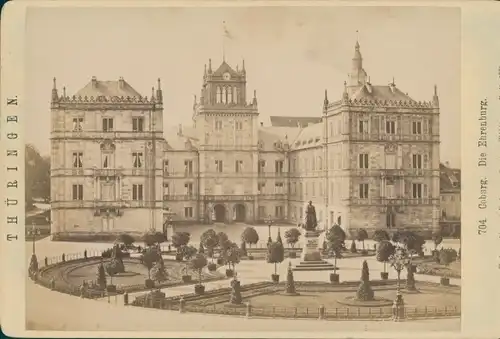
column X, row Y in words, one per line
column 311, row 255
column 311, row 222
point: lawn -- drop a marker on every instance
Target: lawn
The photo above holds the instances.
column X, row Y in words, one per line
column 429, row 296
column 430, row 267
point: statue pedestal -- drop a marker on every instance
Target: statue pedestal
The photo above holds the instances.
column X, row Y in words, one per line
column 311, row 255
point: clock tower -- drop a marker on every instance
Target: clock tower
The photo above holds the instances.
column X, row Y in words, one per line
column 227, row 129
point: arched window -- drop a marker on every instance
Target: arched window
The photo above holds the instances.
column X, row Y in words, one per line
column 218, row 98
column 235, row 94
column 224, row 95
column 229, row 95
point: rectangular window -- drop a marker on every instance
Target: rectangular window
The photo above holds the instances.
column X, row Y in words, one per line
column 77, row 124
column 77, row 192
column 390, row 127
column 77, row 160
column 107, row 124
column 137, row 192
column 188, row 167
column 188, row 212
column 165, row 167
column 218, row 166
column 363, row 191
column 390, row 220
column 138, row 124
column 188, row 187
column 218, row 125
column 416, row 161
column 261, row 187
column 313, row 189
column 278, row 165
column 279, row 188
column 238, row 166
column 262, row 212
column 262, row 166
column 137, row 159
column 390, row 161
column 166, row 189
column 363, row 126
column 416, row 127
column 390, row 191
column 278, row 211
column 238, row 125
column 363, row 160
column 417, row 191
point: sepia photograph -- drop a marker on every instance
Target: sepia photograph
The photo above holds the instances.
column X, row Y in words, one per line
column 243, row 169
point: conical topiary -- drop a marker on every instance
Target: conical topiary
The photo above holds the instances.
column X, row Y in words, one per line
column 290, row 282
column 235, row 292
column 33, row 268
column 101, row 276
column 365, row 292
column 243, row 248
column 353, row 247
column 410, row 279
column 278, row 238
column 201, row 249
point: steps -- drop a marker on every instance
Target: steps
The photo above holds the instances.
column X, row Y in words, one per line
column 317, row 265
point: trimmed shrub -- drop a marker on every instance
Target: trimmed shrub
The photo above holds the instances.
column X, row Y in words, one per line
column 290, row 282
column 235, row 292
column 292, row 236
column 365, row 292
column 353, row 247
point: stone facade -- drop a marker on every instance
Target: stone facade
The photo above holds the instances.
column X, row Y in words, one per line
column 370, row 160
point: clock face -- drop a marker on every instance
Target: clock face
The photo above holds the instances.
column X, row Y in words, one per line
column 226, row 76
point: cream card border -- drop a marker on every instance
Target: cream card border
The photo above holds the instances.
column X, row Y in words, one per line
column 480, row 79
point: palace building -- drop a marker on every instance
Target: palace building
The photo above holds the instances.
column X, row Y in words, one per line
column 368, row 159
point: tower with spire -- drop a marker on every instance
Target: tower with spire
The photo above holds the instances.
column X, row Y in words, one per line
column 391, row 144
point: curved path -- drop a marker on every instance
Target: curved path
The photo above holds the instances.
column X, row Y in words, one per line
column 90, row 315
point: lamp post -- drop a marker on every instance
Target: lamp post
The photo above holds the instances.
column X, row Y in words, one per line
column 33, row 232
column 269, row 224
column 399, row 260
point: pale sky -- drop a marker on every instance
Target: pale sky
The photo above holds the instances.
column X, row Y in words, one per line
column 292, row 54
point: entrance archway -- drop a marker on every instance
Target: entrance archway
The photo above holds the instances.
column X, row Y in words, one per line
column 220, row 213
column 239, row 213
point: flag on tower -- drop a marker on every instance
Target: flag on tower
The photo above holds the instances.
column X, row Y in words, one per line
column 227, row 34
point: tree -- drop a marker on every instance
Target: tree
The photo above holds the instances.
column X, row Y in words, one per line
column 290, row 282
column 410, row 240
column 180, row 239
column 37, row 176
column 222, row 241
column 362, row 235
column 292, row 236
column 381, row 235
column 224, row 245
column 210, row 240
column 410, row 279
column 335, row 239
column 149, row 258
column 188, row 252
column 126, row 239
column 149, row 239
column 101, row 276
column 159, row 238
column 243, row 248
column 250, row 236
column 365, row 292
column 158, row 272
column 437, row 238
column 385, row 250
column 197, row 264
column 233, row 255
column 112, row 270
column 276, row 255
column 447, row 256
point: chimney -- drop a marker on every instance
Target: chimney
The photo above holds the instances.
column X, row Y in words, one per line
column 261, row 124
column 447, row 164
column 94, row 82
column 179, row 131
column 121, row 82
